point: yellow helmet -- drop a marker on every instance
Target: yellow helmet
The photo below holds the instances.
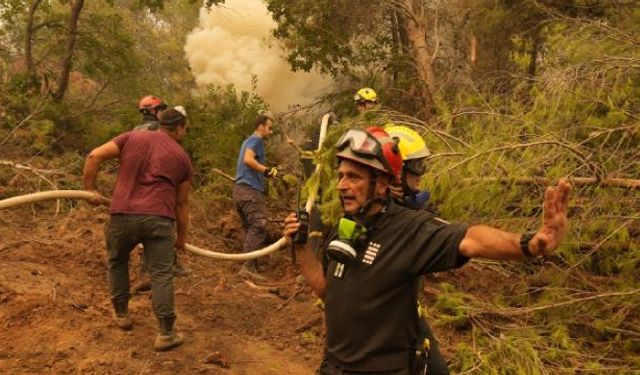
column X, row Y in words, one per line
column 412, row 148
column 365, row 95
column 410, row 143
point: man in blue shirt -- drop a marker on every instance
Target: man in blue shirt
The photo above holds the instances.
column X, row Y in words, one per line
column 249, row 191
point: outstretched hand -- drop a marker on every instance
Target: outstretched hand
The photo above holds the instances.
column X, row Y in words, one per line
column 554, row 222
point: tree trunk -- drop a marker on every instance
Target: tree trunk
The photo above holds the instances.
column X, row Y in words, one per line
column 28, row 39
column 67, row 61
column 414, row 22
column 397, row 43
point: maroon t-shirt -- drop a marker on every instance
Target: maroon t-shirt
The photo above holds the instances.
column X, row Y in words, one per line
column 152, row 165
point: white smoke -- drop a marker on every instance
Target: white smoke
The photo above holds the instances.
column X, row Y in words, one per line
column 230, row 47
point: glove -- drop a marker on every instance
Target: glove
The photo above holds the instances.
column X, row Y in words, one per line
column 271, row 172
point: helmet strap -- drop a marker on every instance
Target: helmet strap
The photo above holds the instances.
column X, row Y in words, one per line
column 363, row 212
column 408, row 192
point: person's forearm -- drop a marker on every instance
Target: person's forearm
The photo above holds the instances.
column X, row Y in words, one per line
column 91, row 167
column 255, row 165
column 482, row 241
column 311, row 269
column 182, row 223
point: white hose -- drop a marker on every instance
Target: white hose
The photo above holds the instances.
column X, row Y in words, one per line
column 87, row 195
column 323, row 134
column 48, row 195
column 282, row 242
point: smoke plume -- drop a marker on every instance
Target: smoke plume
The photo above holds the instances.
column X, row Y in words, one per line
column 230, row 46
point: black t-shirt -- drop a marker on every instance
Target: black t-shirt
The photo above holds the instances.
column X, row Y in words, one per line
column 371, row 308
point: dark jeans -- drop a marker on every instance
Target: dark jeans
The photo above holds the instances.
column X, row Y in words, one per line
column 157, row 234
column 250, row 204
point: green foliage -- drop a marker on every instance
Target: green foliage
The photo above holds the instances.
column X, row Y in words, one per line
column 313, row 40
column 220, row 121
column 122, row 52
column 514, row 355
column 290, row 179
column 452, row 306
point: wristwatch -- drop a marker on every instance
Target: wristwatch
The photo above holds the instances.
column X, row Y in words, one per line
column 524, row 244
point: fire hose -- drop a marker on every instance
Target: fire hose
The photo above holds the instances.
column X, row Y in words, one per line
column 87, row 195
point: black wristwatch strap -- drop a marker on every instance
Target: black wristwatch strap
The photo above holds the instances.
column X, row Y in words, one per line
column 524, row 244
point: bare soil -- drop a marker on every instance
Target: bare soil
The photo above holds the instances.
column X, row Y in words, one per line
column 55, row 311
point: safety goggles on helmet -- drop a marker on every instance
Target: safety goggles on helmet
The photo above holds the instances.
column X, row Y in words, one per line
column 415, row 166
column 361, row 143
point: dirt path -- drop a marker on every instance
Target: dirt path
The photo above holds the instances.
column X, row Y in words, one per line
column 55, row 309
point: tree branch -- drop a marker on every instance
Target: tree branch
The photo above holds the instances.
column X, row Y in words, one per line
column 575, row 181
column 529, row 310
column 29, row 168
column 598, row 171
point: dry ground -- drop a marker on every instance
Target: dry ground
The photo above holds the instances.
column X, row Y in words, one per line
column 55, row 308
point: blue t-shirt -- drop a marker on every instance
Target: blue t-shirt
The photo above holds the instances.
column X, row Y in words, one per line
column 246, row 175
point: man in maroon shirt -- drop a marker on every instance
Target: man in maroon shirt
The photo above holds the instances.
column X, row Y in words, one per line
column 150, row 199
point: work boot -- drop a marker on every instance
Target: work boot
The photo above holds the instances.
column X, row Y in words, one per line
column 179, row 270
column 121, row 313
column 168, row 337
column 248, row 272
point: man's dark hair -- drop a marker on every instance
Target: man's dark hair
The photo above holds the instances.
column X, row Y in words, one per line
column 170, row 119
column 262, row 119
column 148, row 117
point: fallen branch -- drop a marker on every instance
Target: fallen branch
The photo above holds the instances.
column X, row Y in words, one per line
column 627, row 183
column 596, row 169
column 302, row 153
column 29, row 168
column 529, row 310
column 38, row 172
column 283, row 304
column 597, row 247
column 223, row 174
